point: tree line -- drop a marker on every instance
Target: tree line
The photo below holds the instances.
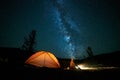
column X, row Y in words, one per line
column 30, row 42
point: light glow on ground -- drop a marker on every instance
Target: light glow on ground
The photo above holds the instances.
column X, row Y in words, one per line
column 90, row 67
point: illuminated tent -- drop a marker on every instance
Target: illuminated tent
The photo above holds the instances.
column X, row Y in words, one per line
column 43, row 59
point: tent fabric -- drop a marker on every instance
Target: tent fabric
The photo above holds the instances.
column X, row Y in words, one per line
column 43, row 59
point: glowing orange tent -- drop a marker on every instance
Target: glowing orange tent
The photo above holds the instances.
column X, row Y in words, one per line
column 43, row 59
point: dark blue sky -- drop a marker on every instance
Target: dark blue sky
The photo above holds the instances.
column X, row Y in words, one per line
column 64, row 27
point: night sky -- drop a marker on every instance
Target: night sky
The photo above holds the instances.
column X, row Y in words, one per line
column 64, row 27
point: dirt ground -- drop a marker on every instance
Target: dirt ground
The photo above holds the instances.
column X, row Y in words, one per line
column 25, row 73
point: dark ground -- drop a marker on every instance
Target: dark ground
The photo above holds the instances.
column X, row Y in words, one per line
column 29, row 73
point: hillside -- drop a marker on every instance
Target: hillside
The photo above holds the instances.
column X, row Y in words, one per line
column 17, row 57
column 15, row 66
column 106, row 59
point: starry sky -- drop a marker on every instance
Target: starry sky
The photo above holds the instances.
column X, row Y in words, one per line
column 64, row 27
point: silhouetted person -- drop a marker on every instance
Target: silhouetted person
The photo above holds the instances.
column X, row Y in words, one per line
column 72, row 64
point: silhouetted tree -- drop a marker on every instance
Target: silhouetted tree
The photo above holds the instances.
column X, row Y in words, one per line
column 29, row 42
column 89, row 51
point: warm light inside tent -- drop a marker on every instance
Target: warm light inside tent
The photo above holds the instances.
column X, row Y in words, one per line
column 43, row 59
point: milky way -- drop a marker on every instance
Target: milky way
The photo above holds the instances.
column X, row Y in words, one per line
column 66, row 26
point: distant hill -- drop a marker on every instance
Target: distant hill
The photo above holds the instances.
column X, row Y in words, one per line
column 11, row 56
column 16, row 56
column 111, row 59
column 106, row 59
